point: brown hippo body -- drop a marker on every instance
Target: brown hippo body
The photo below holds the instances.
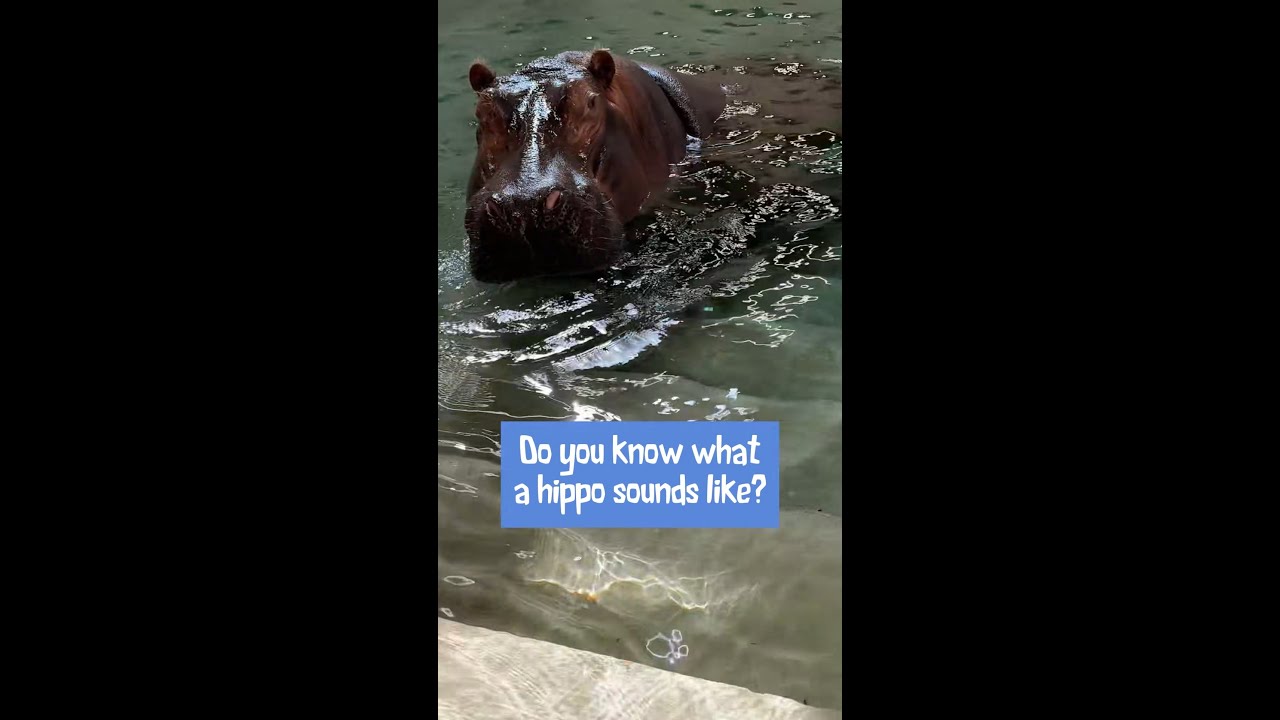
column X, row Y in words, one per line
column 569, row 149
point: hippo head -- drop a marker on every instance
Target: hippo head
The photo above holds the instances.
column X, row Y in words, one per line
column 541, row 199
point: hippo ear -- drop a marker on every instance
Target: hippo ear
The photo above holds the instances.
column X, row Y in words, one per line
column 481, row 76
column 601, row 66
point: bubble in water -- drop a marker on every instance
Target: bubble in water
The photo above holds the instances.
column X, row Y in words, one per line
column 447, row 612
column 459, row 580
column 674, row 650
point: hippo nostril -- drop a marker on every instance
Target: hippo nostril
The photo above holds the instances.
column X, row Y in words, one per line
column 552, row 199
column 491, row 206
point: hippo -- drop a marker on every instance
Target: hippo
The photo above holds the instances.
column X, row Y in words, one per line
column 568, row 151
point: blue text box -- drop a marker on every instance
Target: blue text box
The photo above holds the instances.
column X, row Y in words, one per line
column 628, row 474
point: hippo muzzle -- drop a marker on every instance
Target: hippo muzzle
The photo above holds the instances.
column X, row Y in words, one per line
column 564, row 228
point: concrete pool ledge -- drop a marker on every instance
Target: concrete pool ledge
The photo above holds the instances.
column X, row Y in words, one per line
column 494, row 675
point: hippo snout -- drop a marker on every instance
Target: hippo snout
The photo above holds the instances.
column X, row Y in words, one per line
column 548, row 231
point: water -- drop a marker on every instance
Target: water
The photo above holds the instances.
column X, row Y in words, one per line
column 729, row 309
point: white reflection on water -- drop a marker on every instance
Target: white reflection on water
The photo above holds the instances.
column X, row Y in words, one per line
column 673, row 650
column 619, row 573
column 618, row 351
column 458, row 487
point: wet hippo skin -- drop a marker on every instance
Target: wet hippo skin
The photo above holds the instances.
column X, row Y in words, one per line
column 568, row 150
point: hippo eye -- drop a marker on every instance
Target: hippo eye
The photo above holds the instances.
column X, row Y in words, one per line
column 591, row 102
